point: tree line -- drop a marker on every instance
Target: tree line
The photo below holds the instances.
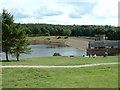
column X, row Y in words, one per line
column 111, row 32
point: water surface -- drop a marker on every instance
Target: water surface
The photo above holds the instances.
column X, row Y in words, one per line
column 49, row 50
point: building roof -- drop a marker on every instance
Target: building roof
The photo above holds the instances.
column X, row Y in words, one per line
column 103, row 43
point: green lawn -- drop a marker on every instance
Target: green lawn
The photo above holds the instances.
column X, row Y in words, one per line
column 62, row 60
column 37, row 37
column 43, row 37
column 87, row 77
column 87, row 37
column 0, row 77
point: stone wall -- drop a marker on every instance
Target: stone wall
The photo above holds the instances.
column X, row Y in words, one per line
column 101, row 52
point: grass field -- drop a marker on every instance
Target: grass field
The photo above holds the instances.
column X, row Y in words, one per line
column 79, row 60
column 89, row 77
column 38, row 37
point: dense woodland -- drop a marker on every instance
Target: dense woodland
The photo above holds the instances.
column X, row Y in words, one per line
column 111, row 32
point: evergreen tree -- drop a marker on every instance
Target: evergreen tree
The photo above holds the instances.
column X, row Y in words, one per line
column 20, row 42
column 7, row 25
column 13, row 37
column 0, row 33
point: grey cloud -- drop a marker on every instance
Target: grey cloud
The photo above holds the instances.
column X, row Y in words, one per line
column 38, row 13
column 19, row 14
column 75, row 15
column 80, row 8
column 44, row 12
column 51, row 13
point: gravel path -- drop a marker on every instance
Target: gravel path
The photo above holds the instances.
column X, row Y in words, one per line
column 76, row 66
column 77, row 43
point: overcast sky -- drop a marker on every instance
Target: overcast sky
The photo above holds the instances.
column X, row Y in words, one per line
column 67, row 12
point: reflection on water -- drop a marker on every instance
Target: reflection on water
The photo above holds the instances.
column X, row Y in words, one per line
column 56, row 46
column 49, row 50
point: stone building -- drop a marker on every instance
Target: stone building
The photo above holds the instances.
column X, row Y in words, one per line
column 100, row 46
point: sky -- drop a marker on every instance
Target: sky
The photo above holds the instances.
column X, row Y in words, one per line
column 65, row 12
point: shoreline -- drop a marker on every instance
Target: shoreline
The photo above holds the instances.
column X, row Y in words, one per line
column 76, row 42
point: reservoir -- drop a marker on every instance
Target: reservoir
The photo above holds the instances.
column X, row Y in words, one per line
column 49, row 50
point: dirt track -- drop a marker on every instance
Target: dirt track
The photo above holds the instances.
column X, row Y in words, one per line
column 78, row 43
column 76, row 66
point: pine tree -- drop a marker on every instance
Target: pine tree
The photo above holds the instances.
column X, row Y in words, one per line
column 20, row 42
column 7, row 24
column 13, row 37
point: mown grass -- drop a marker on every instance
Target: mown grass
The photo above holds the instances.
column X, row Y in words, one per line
column 0, row 76
column 87, row 37
column 43, row 37
column 62, row 60
column 88, row 77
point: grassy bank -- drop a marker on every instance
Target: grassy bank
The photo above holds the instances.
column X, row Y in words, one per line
column 44, row 37
column 63, row 60
column 89, row 77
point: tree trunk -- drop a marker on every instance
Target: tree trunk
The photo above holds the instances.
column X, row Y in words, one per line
column 6, row 56
column 17, row 57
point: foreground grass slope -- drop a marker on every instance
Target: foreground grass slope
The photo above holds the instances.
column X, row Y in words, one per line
column 89, row 77
column 62, row 60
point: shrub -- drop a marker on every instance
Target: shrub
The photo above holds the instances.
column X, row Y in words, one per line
column 66, row 37
column 58, row 37
column 71, row 56
column 56, row 54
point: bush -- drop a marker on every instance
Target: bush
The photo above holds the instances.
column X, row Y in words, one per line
column 59, row 37
column 56, row 54
column 71, row 56
column 66, row 37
